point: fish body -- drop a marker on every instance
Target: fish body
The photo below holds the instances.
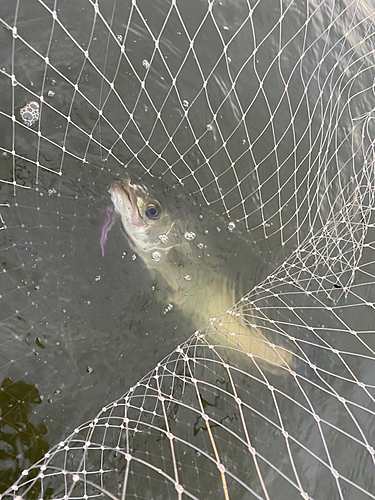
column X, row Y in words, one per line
column 161, row 231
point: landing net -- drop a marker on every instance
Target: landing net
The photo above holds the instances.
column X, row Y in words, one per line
column 263, row 111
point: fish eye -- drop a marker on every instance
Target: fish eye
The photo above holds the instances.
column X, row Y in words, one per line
column 153, row 211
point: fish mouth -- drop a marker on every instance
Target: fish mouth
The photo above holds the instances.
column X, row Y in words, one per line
column 124, row 195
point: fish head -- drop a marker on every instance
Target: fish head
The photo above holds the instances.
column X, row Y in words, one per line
column 147, row 221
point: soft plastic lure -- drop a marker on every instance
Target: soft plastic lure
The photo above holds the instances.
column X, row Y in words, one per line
column 108, row 223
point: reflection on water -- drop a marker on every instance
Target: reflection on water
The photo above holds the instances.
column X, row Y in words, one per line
column 21, row 442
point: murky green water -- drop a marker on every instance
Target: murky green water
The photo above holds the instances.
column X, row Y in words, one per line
column 81, row 328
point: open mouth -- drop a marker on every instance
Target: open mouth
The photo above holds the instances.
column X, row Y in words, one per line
column 124, row 197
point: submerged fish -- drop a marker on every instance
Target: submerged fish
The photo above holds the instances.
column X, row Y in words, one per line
column 160, row 230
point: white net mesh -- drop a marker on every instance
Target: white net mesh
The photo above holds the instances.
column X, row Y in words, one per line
column 263, row 111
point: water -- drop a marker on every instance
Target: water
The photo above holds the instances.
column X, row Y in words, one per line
column 80, row 328
column 88, row 326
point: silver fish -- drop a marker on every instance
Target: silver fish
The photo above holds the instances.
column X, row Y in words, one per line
column 160, row 231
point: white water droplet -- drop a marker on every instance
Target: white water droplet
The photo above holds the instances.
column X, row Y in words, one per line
column 231, row 227
column 189, row 236
column 168, row 308
column 134, row 256
column 156, row 256
column 187, row 277
column 51, row 93
column 30, row 113
column 145, row 64
column 185, row 103
column 163, row 238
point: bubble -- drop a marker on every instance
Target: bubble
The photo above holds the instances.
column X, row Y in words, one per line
column 185, row 103
column 209, row 127
column 145, row 64
column 168, row 308
column 187, row 277
column 156, row 256
column 200, row 246
column 134, row 256
column 231, row 227
column 163, row 238
column 124, row 254
column 189, row 236
column 51, row 93
column 206, row 232
column 53, row 82
column 200, row 216
column 30, row 113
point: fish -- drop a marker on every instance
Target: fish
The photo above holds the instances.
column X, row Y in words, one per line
column 159, row 226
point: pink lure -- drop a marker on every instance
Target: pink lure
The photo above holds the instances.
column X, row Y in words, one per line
column 108, row 223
